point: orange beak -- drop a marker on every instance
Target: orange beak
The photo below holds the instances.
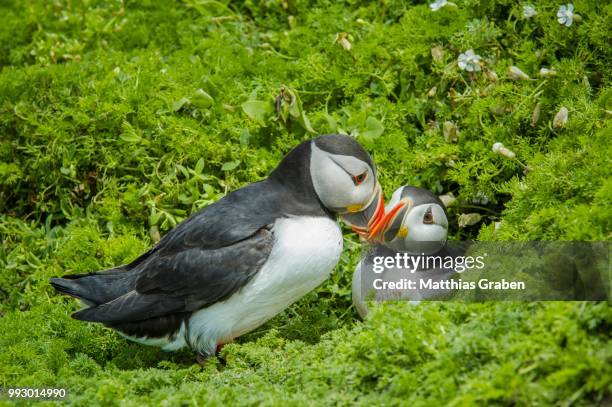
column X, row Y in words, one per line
column 379, row 213
column 376, row 230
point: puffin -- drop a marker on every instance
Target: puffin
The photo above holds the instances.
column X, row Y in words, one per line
column 238, row 262
column 415, row 223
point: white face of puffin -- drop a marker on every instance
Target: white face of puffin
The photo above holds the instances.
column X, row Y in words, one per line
column 347, row 186
column 416, row 224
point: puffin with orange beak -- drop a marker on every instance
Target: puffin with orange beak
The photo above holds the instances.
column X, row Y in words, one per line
column 233, row 265
column 415, row 223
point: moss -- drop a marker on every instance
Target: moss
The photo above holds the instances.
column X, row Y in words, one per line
column 121, row 118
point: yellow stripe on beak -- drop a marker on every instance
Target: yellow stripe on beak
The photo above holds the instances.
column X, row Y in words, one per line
column 403, row 232
column 354, row 208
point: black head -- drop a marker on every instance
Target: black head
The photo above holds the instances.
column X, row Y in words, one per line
column 414, row 215
column 337, row 172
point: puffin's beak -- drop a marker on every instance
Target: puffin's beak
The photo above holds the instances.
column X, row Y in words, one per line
column 376, row 214
column 378, row 230
column 363, row 218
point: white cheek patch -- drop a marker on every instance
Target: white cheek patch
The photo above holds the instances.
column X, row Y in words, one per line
column 427, row 233
column 331, row 176
column 439, row 216
column 326, row 176
column 423, row 232
column 417, row 231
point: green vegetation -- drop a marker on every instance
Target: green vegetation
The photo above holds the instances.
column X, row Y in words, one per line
column 118, row 119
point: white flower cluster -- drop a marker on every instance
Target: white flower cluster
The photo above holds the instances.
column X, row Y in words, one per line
column 529, row 11
column 565, row 14
column 469, row 61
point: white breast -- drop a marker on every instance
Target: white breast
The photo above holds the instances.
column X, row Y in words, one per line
column 305, row 251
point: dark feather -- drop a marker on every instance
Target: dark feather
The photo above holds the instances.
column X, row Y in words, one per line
column 227, row 269
column 152, row 327
column 185, row 282
column 95, row 288
column 131, row 307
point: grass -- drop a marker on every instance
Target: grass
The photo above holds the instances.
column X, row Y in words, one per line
column 118, row 119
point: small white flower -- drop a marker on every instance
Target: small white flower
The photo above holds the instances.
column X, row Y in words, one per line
column 529, row 11
column 565, row 14
column 438, row 4
column 469, row 61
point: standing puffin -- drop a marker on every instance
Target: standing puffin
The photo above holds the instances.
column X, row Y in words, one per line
column 240, row 261
column 416, row 223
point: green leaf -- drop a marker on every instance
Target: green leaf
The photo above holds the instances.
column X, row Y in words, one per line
column 245, row 136
column 306, row 123
column 199, row 166
column 129, row 134
column 230, row 165
column 210, row 191
column 202, row 99
column 355, row 119
column 331, row 123
column 209, row 86
column 257, row 110
column 374, row 128
column 183, row 170
column 178, row 105
column 295, row 107
column 154, row 218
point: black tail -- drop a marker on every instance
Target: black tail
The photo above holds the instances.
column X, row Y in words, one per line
column 95, row 288
column 70, row 286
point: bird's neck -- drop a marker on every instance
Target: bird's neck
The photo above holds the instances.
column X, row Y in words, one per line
column 293, row 176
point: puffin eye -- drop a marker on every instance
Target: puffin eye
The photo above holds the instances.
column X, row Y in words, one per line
column 358, row 179
column 428, row 217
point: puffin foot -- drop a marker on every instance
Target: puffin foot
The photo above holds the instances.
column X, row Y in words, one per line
column 217, row 353
column 202, row 360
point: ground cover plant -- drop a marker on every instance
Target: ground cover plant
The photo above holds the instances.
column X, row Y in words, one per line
column 118, row 119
